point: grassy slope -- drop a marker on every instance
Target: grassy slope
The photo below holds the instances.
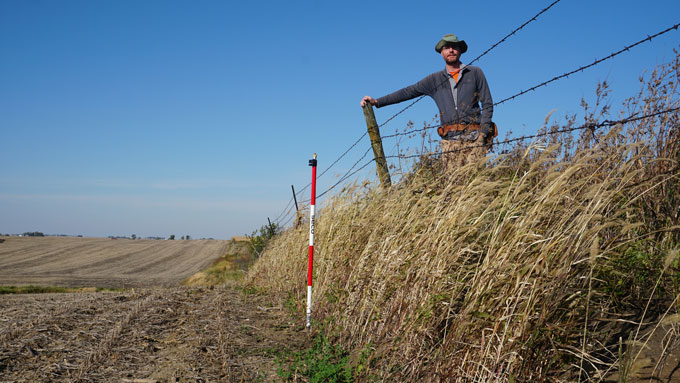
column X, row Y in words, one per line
column 538, row 266
column 229, row 267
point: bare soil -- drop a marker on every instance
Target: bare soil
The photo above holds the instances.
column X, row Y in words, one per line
column 166, row 334
column 152, row 331
column 104, row 262
column 180, row 334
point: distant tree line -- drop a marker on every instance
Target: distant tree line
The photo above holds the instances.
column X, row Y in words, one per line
column 184, row 237
column 134, row 236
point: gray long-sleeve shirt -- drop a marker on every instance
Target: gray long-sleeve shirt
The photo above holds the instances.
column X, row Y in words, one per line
column 470, row 90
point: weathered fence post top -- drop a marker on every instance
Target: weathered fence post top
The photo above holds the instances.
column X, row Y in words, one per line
column 376, row 143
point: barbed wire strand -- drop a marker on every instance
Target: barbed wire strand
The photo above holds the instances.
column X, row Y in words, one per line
column 598, row 61
column 285, row 214
column 591, row 126
column 343, row 154
column 346, row 175
column 605, row 123
column 421, row 97
column 626, row 48
column 515, row 31
column 477, row 58
column 284, row 210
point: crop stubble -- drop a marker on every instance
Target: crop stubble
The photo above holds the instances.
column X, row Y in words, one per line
column 155, row 335
column 160, row 332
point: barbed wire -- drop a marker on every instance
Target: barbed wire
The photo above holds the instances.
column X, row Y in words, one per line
column 567, row 74
column 343, row 154
column 284, row 210
column 476, row 58
column 424, row 128
column 286, row 213
column 347, row 173
column 418, row 99
column 626, row 48
column 350, row 172
column 515, row 31
column 287, row 221
column 591, row 126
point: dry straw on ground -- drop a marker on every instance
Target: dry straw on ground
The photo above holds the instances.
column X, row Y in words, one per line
column 554, row 261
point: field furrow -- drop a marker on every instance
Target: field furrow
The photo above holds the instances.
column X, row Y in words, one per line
column 158, row 335
column 103, row 262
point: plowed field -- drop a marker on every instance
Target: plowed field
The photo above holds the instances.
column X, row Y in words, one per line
column 152, row 335
column 103, row 262
column 160, row 332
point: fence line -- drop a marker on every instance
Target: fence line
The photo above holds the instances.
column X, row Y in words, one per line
column 349, row 172
column 347, row 175
column 648, row 38
column 284, row 210
column 476, row 58
column 408, row 106
column 567, row 74
column 591, row 126
column 515, row 31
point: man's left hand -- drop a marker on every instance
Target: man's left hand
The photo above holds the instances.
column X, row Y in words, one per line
column 485, row 130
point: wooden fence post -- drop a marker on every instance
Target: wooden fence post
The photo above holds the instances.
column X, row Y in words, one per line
column 271, row 227
column 298, row 216
column 376, row 143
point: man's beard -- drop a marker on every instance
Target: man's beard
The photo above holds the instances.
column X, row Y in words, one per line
column 452, row 61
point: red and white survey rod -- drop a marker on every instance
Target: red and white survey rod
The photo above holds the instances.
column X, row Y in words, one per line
column 312, row 163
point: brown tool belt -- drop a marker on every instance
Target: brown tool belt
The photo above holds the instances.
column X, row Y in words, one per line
column 442, row 130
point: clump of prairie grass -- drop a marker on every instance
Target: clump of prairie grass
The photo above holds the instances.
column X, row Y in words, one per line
column 555, row 260
column 228, row 268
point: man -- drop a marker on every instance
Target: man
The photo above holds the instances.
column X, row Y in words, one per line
column 466, row 129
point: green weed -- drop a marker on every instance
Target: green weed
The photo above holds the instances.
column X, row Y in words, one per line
column 323, row 362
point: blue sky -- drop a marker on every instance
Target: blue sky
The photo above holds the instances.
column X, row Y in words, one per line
column 195, row 117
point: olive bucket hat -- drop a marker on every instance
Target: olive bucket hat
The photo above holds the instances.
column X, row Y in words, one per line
column 452, row 40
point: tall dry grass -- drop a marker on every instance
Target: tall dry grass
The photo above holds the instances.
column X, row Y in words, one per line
column 553, row 261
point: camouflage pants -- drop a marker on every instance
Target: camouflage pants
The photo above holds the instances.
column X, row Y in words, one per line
column 458, row 153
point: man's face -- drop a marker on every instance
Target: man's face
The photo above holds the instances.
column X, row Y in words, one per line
column 451, row 54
